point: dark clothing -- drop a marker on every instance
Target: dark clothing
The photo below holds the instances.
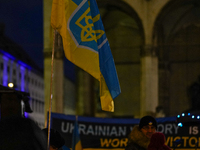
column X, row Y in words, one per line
column 55, row 137
column 137, row 140
column 17, row 133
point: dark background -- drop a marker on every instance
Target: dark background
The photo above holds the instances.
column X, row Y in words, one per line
column 23, row 20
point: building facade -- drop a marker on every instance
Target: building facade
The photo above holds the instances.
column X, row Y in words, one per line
column 16, row 67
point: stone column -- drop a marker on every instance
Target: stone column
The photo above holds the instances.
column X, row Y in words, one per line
column 48, row 38
column 85, row 96
column 58, row 78
column 149, row 81
column 58, row 75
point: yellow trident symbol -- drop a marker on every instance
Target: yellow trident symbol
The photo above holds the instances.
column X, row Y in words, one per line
column 90, row 33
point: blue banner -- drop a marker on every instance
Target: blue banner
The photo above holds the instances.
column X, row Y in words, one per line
column 106, row 133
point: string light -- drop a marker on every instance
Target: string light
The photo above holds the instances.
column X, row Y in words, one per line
column 180, row 124
column 187, row 119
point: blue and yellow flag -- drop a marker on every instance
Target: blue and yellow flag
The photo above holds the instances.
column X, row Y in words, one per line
column 76, row 141
column 86, row 45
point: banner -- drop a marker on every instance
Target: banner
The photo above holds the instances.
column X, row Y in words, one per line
column 106, row 133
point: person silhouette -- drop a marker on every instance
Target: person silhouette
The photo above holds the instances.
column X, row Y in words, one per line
column 18, row 133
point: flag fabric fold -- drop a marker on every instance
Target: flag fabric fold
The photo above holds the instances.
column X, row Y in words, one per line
column 85, row 44
column 76, row 142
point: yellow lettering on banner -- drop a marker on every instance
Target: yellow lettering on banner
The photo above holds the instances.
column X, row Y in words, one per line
column 199, row 142
column 190, row 141
column 105, row 142
column 167, row 141
column 113, row 142
column 124, row 142
column 185, row 138
column 187, row 141
column 171, row 141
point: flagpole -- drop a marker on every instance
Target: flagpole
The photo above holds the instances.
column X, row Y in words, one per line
column 51, row 96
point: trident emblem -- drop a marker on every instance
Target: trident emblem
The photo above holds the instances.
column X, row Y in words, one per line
column 87, row 32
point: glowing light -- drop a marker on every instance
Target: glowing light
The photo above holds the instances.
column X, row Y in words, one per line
column 180, row 124
column 198, row 117
column 11, row 85
column 183, row 114
column 24, row 64
column 192, row 116
column 5, row 76
column 178, row 116
column 7, row 55
column 25, row 114
column 22, row 71
column 188, row 114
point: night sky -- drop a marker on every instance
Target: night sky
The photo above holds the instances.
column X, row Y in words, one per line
column 23, row 20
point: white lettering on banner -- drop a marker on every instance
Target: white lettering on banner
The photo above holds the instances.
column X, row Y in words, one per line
column 105, row 131
column 98, row 130
column 90, row 130
column 108, row 128
column 176, row 128
column 68, row 127
column 193, row 130
column 113, row 131
column 118, row 131
column 122, row 131
column 167, row 128
column 82, row 128
column 102, row 131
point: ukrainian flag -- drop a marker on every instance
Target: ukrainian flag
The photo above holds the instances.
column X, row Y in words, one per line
column 76, row 142
column 86, row 45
